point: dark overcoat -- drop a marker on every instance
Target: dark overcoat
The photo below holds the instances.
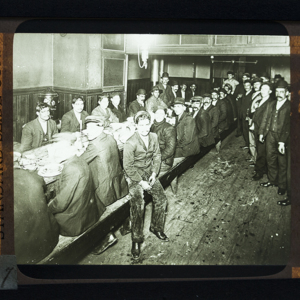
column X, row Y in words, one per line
column 204, row 129
column 70, row 123
column 102, row 154
column 74, row 206
column 187, row 139
column 214, row 118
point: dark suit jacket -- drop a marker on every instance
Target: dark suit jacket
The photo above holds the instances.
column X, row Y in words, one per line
column 187, row 140
column 246, row 101
column 166, row 94
column 229, row 110
column 102, row 154
column 32, row 134
column 204, row 129
column 189, row 94
column 70, row 123
column 179, row 94
column 214, row 118
column 258, row 115
column 74, row 206
column 135, row 107
column 137, row 159
column 283, row 121
column 36, row 230
column 221, row 106
column 120, row 113
column 166, row 134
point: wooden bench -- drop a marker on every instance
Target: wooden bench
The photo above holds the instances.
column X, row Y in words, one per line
column 69, row 250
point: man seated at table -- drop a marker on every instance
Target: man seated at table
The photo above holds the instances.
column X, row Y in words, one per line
column 138, row 104
column 38, row 132
column 203, row 124
column 166, row 134
column 36, row 230
column 154, row 102
column 73, row 120
column 74, row 206
column 187, row 140
column 103, row 110
column 116, row 108
column 142, row 161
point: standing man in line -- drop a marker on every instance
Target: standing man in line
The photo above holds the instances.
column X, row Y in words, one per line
column 174, row 87
column 203, row 124
column 245, row 106
column 142, row 159
column 166, row 94
column 138, row 104
column 182, row 92
column 261, row 158
column 73, row 120
column 192, row 92
column 187, row 140
column 275, row 127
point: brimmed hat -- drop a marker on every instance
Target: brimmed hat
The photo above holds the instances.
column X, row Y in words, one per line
column 174, row 82
column 223, row 91
column 155, row 88
column 265, row 75
column 97, row 119
column 165, row 74
column 257, row 79
column 246, row 74
column 277, row 76
column 206, row 95
column 196, row 99
column 269, row 84
column 179, row 100
column 230, row 72
column 141, row 113
column 282, row 84
column 141, row 92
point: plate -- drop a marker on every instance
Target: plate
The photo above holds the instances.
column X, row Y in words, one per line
column 50, row 170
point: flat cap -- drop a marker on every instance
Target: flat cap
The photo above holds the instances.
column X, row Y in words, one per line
column 179, row 100
column 141, row 92
column 257, row 79
column 206, row 95
column 155, row 88
column 196, row 99
column 96, row 119
column 141, row 113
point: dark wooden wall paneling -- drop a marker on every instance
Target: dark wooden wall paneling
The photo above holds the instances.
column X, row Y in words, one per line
column 25, row 100
column 134, row 85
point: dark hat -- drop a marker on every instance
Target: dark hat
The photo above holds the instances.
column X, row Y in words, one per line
column 230, row 72
column 141, row 113
column 223, row 91
column 184, row 83
column 215, row 91
column 141, row 92
column 179, row 100
column 206, row 95
column 282, row 84
column 269, row 84
column 196, row 99
column 257, row 79
column 246, row 74
column 155, row 88
column 165, row 74
column 96, row 119
column 216, row 85
column 264, row 74
column 174, row 82
column 277, row 76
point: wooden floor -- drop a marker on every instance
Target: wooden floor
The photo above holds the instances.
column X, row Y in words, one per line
column 218, row 217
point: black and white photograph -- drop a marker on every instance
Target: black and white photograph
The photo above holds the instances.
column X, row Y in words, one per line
column 151, row 149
